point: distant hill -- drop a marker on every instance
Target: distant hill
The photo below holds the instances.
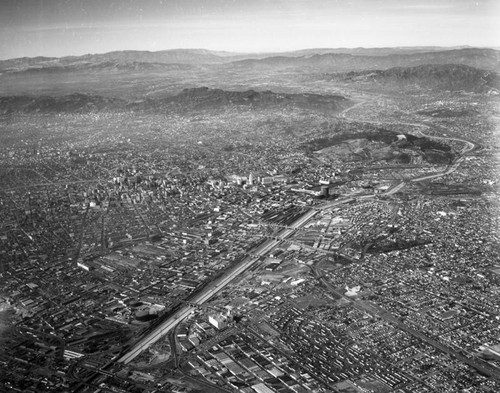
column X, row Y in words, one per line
column 183, row 56
column 187, row 100
column 451, row 77
column 447, row 112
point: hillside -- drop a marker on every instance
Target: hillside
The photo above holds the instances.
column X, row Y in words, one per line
column 451, row 77
column 204, row 97
column 187, row 100
column 381, row 145
column 71, row 103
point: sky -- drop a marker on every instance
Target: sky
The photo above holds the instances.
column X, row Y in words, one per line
column 74, row 27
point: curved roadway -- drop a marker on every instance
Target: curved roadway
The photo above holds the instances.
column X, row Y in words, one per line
column 469, row 146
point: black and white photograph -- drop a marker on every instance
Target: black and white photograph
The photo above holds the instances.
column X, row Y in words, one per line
column 250, row 196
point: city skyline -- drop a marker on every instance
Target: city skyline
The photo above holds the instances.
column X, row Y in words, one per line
column 62, row 28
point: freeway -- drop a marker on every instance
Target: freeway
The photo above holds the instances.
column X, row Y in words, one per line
column 211, row 290
column 468, row 144
column 395, row 189
column 450, row 170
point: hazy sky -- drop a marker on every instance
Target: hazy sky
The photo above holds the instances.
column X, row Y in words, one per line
column 73, row 27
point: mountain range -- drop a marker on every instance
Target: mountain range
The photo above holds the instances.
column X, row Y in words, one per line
column 155, row 76
column 488, row 59
column 333, row 60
